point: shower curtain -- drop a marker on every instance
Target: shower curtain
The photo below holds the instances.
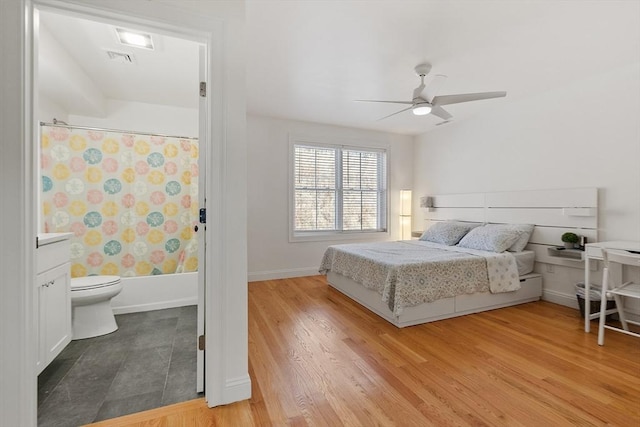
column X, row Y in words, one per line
column 130, row 199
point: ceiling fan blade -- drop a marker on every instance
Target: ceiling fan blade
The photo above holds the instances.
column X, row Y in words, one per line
column 386, row 102
column 436, row 110
column 393, row 114
column 433, row 88
column 466, row 97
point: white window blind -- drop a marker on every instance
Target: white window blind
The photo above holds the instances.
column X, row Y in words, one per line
column 339, row 189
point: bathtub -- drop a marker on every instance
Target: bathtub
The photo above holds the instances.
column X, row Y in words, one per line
column 156, row 292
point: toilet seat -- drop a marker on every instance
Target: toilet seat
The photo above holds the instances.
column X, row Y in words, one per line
column 93, row 282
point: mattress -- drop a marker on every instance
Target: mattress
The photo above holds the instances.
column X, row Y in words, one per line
column 524, row 261
column 408, row 273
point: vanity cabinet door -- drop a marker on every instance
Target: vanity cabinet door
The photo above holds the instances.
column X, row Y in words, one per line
column 55, row 312
column 39, row 320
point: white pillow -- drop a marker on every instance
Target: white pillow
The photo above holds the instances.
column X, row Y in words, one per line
column 491, row 237
column 446, row 233
column 526, row 230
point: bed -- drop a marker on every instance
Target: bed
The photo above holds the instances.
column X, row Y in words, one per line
column 546, row 213
column 413, row 282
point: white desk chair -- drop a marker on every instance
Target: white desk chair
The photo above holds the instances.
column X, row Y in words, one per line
column 627, row 289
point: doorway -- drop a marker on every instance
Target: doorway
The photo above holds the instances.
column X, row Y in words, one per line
column 75, row 48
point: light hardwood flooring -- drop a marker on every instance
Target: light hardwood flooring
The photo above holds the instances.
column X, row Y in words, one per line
column 318, row 358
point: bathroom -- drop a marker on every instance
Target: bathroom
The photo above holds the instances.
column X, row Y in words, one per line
column 120, row 166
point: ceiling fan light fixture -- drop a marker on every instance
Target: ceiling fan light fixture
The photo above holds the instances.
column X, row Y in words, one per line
column 421, row 109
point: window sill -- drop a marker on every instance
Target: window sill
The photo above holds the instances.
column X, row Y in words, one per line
column 338, row 236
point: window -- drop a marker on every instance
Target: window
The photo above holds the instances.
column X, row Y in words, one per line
column 338, row 189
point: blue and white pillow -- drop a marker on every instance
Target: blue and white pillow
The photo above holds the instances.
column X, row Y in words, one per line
column 446, row 233
column 492, row 238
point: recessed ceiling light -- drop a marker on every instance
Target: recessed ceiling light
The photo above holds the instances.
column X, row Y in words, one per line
column 132, row 38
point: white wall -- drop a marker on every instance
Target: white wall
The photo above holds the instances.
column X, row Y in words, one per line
column 49, row 110
column 61, row 78
column 584, row 134
column 271, row 255
column 143, row 117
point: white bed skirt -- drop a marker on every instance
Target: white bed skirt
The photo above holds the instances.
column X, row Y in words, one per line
column 530, row 290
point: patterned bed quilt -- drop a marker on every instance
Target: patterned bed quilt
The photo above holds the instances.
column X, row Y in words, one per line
column 411, row 272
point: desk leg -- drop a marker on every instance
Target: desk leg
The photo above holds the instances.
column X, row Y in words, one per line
column 587, row 299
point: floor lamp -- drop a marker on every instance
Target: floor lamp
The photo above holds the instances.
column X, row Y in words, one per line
column 405, row 214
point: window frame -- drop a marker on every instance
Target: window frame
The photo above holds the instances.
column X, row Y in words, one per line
column 322, row 235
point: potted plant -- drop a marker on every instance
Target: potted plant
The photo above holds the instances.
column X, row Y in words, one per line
column 570, row 240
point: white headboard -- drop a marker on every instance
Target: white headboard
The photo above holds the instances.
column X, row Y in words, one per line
column 553, row 212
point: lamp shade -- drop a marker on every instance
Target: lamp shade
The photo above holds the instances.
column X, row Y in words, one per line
column 405, row 214
column 405, row 202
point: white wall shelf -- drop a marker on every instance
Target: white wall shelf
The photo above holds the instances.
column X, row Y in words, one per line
column 572, row 254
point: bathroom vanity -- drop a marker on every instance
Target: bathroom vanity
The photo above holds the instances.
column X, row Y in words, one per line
column 52, row 296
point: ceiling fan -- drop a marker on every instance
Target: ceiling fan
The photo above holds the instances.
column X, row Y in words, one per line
column 426, row 102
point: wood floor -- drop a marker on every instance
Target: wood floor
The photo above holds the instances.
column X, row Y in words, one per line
column 318, row 359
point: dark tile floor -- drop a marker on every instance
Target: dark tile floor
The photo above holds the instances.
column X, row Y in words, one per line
column 150, row 361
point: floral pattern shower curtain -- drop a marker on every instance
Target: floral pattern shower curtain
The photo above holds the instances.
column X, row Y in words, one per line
column 129, row 199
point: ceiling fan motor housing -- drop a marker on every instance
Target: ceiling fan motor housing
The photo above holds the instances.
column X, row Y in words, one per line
column 423, row 69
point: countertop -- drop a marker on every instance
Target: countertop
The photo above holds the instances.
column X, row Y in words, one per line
column 48, row 238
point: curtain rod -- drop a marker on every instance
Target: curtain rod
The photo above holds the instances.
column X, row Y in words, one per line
column 112, row 130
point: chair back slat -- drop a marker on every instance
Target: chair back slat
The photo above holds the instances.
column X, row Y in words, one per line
column 618, row 291
column 620, row 257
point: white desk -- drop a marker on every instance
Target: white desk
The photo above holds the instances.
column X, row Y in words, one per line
column 593, row 251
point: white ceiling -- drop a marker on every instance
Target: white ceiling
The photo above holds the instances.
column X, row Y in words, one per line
column 77, row 74
column 308, row 60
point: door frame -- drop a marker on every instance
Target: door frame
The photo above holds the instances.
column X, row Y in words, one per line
column 215, row 135
column 202, row 204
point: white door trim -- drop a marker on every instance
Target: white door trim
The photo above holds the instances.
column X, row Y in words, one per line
column 18, row 347
column 203, row 144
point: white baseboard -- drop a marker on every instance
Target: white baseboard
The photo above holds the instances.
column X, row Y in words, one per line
column 155, row 306
column 560, row 298
column 571, row 301
column 257, row 276
column 237, row 389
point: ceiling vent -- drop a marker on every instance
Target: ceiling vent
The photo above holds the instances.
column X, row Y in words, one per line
column 125, row 58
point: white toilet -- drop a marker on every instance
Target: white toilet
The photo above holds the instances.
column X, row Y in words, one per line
column 92, row 315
